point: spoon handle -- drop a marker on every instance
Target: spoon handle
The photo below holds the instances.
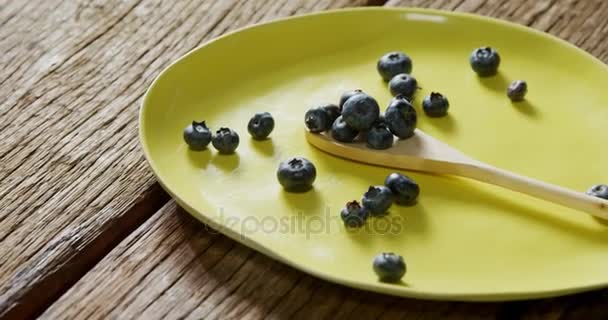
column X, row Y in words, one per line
column 569, row 198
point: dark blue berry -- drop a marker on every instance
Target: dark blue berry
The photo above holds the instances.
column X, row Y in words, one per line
column 404, row 189
column 400, row 117
column 332, row 111
column 296, row 174
column 354, row 215
column 225, row 140
column 403, row 84
column 389, row 267
column 485, row 61
column 346, row 95
column 517, row 90
column 600, row 191
column 377, row 200
column 260, row 125
column 340, row 131
column 360, row 111
column 317, row 120
column 435, row 105
column 392, row 64
column 197, row 135
column 379, row 137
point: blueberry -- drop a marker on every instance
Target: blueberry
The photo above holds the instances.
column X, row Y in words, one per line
column 600, row 191
column 354, row 215
column 404, row 189
column 197, row 135
column 225, row 140
column 296, row 174
column 517, row 90
column 260, row 125
column 389, row 267
column 346, row 95
column 342, row 132
column 403, row 84
column 379, row 137
column 377, row 200
column 332, row 111
column 392, row 64
column 317, row 120
column 360, row 111
column 435, row 105
column 400, row 117
column 485, row 61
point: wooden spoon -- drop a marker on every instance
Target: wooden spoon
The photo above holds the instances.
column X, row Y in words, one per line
column 425, row 153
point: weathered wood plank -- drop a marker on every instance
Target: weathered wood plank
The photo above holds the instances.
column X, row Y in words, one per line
column 174, row 267
column 74, row 181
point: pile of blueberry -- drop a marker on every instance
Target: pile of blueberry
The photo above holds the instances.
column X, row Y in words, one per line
column 377, row 200
column 198, row 136
column 358, row 114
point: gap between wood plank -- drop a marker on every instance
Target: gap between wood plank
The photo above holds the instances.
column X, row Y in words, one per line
column 32, row 303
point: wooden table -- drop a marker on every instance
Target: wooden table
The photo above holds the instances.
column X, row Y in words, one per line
column 85, row 231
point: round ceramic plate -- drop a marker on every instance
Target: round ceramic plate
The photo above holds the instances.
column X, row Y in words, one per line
column 463, row 240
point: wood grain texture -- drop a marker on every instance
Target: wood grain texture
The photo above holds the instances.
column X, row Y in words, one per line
column 172, row 266
column 72, row 73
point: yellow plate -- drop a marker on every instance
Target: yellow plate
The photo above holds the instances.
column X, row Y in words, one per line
column 463, row 240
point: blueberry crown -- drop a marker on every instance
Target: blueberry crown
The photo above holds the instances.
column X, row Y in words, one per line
column 372, row 191
column 484, row 52
column 295, row 162
column 436, row 96
column 394, row 56
column 223, row 131
column 353, row 205
column 392, row 256
column 201, row 124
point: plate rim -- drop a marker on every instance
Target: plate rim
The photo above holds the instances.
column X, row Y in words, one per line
column 379, row 287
